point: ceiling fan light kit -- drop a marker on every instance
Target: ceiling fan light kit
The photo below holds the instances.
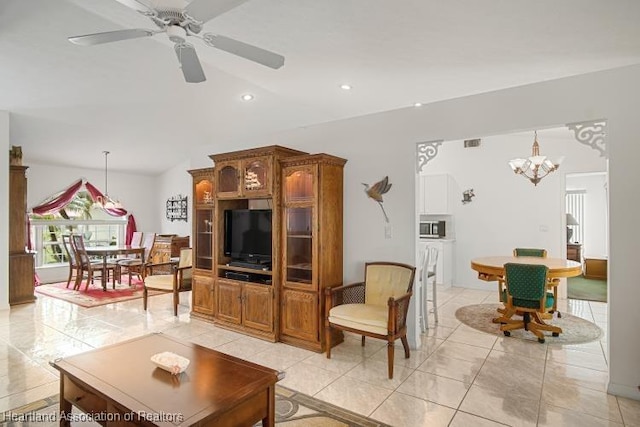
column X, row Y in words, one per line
column 177, row 34
column 179, row 24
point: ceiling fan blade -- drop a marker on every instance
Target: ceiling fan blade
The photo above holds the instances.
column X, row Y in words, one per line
column 205, row 10
column 139, row 5
column 189, row 62
column 244, row 50
column 110, row 36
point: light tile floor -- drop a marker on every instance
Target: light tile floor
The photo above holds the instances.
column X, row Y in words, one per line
column 458, row 377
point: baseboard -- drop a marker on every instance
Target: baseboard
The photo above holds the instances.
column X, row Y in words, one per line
column 622, row 390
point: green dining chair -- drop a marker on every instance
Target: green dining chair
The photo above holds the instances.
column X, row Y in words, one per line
column 542, row 253
column 526, row 295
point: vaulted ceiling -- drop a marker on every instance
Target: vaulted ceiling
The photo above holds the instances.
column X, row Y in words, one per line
column 68, row 103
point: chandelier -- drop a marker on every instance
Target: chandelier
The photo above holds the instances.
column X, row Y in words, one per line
column 105, row 201
column 536, row 167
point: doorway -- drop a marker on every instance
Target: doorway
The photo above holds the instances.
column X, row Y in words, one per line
column 586, row 201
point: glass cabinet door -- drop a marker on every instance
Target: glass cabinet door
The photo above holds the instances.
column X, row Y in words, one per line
column 256, row 176
column 299, row 245
column 228, row 179
column 298, row 185
column 204, row 240
column 204, row 192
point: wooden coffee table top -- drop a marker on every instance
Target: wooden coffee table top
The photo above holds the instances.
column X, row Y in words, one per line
column 124, row 372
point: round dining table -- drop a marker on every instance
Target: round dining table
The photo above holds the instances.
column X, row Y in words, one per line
column 491, row 268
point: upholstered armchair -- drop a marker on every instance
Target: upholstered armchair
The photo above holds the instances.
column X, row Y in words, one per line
column 374, row 308
column 526, row 295
column 177, row 281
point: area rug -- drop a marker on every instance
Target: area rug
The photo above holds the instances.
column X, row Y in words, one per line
column 94, row 296
column 587, row 289
column 575, row 330
column 293, row 409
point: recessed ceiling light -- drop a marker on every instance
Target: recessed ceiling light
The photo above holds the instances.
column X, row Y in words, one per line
column 247, row 97
column 345, row 86
column 418, row 104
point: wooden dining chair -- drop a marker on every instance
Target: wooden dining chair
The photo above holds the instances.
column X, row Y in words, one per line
column 87, row 265
column 71, row 258
column 137, row 265
column 374, row 308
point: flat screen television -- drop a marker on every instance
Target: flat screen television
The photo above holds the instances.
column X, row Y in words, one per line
column 247, row 235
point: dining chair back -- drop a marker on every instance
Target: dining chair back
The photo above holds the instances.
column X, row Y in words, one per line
column 87, row 265
column 375, row 308
column 136, row 238
column 542, row 253
column 535, row 252
column 526, row 295
column 136, row 265
column 70, row 255
column 428, row 274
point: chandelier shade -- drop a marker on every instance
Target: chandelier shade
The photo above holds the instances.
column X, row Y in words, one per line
column 535, row 167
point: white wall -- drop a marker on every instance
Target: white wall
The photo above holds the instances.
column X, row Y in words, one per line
column 384, row 144
column 174, row 182
column 595, row 215
column 508, row 211
column 4, row 210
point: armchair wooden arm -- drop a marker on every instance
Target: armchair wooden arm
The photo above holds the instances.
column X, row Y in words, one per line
column 344, row 294
column 398, row 309
column 176, row 281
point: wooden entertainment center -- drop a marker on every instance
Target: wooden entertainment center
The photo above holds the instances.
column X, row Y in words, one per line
column 281, row 301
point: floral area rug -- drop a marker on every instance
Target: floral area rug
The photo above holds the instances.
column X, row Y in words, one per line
column 293, row 409
column 575, row 330
column 95, row 296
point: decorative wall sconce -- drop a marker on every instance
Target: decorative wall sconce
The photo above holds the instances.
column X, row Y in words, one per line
column 177, row 208
column 467, row 195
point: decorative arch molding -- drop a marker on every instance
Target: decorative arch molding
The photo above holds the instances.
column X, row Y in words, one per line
column 425, row 151
column 591, row 133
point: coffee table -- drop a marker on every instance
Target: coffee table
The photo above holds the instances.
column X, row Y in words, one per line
column 119, row 385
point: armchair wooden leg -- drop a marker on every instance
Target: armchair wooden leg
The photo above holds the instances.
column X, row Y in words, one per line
column 405, row 344
column 144, row 299
column 327, row 337
column 362, row 341
column 176, row 301
column 390, row 353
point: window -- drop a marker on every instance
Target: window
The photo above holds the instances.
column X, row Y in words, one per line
column 574, row 200
column 46, row 236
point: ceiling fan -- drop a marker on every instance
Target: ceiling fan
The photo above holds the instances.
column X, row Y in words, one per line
column 179, row 21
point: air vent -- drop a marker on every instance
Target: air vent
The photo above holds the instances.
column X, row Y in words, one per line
column 469, row 143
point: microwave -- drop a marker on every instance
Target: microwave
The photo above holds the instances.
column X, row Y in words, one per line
column 432, row 229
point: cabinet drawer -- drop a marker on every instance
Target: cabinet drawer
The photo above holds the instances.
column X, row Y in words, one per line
column 83, row 399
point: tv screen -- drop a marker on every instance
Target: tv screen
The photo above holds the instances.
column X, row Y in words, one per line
column 247, row 234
